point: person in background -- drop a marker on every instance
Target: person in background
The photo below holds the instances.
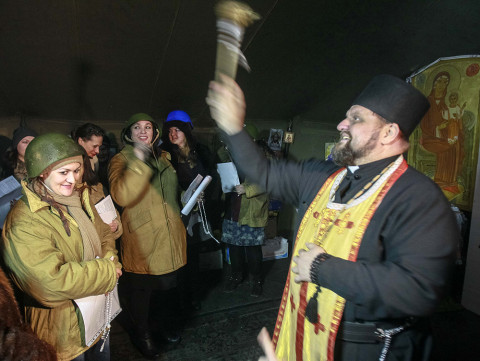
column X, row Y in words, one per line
column 153, row 245
column 189, row 158
column 57, row 249
column 243, row 230
column 22, row 136
column 375, row 248
column 95, row 190
column 104, row 157
column 90, row 137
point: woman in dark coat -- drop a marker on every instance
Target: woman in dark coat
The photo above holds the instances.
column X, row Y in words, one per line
column 22, row 136
column 189, row 158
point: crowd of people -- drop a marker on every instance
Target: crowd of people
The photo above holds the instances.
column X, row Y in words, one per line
column 369, row 264
column 150, row 250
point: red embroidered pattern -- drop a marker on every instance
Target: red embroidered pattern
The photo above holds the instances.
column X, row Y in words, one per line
column 355, row 248
column 301, row 321
column 286, row 290
column 319, row 326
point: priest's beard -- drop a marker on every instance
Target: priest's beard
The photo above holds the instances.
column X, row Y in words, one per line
column 343, row 156
column 346, row 155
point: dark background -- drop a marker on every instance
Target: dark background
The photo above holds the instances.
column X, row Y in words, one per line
column 105, row 60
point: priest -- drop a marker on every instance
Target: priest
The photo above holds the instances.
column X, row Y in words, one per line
column 375, row 243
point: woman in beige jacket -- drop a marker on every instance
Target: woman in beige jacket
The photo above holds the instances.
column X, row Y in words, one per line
column 153, row 245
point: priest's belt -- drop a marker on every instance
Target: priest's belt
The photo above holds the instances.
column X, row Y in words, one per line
column 370, row 332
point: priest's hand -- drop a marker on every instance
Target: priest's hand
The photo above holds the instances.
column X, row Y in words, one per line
column 227, row 104
column 266, row 343
column 304, row 262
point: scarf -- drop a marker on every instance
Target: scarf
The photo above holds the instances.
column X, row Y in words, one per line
column 91, row 241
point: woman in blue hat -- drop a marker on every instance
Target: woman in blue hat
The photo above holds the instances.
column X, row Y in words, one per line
column 189, row 158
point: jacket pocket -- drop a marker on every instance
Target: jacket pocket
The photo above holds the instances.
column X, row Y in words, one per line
column 139, row 220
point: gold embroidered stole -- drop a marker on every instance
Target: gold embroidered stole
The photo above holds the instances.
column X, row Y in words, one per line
column 339, row 229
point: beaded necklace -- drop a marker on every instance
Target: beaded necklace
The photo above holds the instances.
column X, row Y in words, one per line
column 108, row 318
column 321, row 233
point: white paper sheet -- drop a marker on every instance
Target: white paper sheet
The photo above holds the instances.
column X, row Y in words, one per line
column 93, row 313
column 228, row 176
column 193, row 199
column 191, row 189
column 10, row 187
column 10, row 190
column 106, row 210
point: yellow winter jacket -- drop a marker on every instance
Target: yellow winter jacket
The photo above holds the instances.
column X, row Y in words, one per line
column 46, row 264
column 153, row 240
column 254, row 206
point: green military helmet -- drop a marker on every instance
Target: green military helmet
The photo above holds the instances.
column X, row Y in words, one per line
column 252, row 131
column 126, row 135
column 47, row 149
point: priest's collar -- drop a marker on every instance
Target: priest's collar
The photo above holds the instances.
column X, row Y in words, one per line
column 372, row 168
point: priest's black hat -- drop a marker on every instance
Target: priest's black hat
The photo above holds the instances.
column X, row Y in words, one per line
column 395, row 100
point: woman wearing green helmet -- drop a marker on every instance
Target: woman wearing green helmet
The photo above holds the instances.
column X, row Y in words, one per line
column 153, row 244
column 57, row 248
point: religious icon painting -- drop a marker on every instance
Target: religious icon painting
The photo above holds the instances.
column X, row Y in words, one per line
column 288, row 139
column 275, row 139
column 445, row 144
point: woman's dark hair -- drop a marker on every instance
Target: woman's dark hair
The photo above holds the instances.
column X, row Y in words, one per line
column 185, row 128
column 86, row 131
column 192, row 157
column 89, row 175
column 126, row 135
column 179, row 157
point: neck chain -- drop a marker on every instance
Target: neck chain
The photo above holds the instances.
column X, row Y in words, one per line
column 365, row 188
column 311, row 310
column 323, row 231
column 108, row 318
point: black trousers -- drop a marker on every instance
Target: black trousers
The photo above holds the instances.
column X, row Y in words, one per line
column 149, row 299
column 189, row 275
column 254, row 258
